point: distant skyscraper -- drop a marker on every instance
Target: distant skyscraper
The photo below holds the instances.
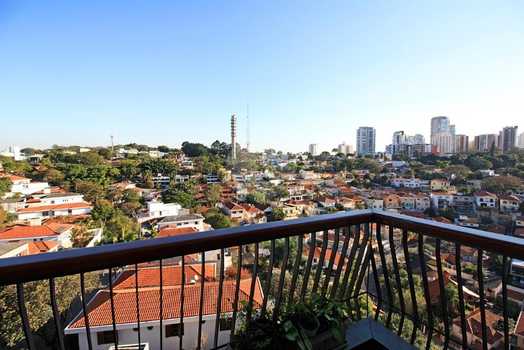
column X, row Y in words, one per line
column 313, row 149
column 521, row 141
column 345, row 149
column 508, row 138
column 233, row 137
column 399, row 138
column 442, row 135
column 366, row 141
column 461, row 143
column 484, row 143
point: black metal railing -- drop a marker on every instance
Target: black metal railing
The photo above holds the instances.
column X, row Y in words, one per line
column 383, row 264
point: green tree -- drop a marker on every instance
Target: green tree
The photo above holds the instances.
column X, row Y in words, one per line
column 213, row 194
column 194, row 149
column 277, row 214
column 91, row 190
column 500, row 184
column 5, row 186
column 256, row 197
column 217, row 220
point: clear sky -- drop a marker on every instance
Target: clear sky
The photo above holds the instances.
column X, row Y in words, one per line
column 162, row 72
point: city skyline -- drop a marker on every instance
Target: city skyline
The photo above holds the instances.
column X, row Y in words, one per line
column 149, row 75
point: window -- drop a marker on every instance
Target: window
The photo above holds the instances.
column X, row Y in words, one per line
column 107, row 337
column 226, row 324
column 174, row 330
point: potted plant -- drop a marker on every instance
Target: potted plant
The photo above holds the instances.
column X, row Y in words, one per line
column 316, row 324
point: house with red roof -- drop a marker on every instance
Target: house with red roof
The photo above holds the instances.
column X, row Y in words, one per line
column 58, row 232
column 494, row 335
column 170, row 305
column 23, row 185
column 42, row 212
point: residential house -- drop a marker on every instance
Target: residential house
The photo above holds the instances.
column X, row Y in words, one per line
column 40, row 212
column 440, row 185
column 441, row 200
column 235, row 211
column 495, row 337
column 509, row 204
column 23, row 185
column 485, row 199
column 183, row 220
column 60, row 233
column 392, row 201
column 125, row 294
column 375, row 203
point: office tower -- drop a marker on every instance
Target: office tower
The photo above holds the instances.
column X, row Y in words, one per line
column 345, row 149
column 484, row 142
column 399, row 138
column 366, row 141
column 521, row 141
column 461, row 143
column 442, row 135
column 313, row 149
column 508, row 138
column 233, row 137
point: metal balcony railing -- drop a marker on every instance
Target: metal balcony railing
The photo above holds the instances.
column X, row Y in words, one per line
column 397, row 269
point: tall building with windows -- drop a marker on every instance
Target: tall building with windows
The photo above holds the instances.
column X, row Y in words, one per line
column 521, row 141
column 484, row 142
column 366, row 137
column 345, row 148
column 508, row 138
column 313, row 149
column 442, row 135
column 461, row 143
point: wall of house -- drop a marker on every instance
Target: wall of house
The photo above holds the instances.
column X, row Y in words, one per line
column 126, row 335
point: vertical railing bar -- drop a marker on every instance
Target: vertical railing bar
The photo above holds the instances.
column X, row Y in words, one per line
column 386, row 274
column 505, row 268
column 201, row 301
column 480, row 278
column 296, row 268
column 341, row 262
column 353, row 265
column 425, row 285
column 307, row 272
column 397, row 279
column 85, row 312
column 219, row 297
column 364, row 268
column 268, row 278
column 411, row 285
column 137, row 306
column 350, row 264
column 56, row 314
column 334, row 251
column 320, row 265
column 443, row 297
column 113, row 315
column 252, row 286
column 182, row 296
column 282, row 279
column 376, row 281
column 458, row 268
column 23, row 314
column 237, row 289
column 161, row 301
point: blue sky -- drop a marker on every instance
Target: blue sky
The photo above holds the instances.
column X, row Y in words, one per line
column 162, row 72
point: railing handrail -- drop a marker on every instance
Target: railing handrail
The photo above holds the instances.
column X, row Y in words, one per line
column 74, row 261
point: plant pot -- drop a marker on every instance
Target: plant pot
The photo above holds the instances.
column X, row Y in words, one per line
column 326, row 341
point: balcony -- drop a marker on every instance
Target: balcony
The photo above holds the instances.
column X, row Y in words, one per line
column 407, row 282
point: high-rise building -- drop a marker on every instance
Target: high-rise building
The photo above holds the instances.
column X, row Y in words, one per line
column 345, row 149
column 484, row 142
column 366, row 137
column 313, row 149
column 399, row 138
column 442, row 135
column 521, row 141
column 461, row 143
column 407, row 145
column 508, row 138
column 233, row 137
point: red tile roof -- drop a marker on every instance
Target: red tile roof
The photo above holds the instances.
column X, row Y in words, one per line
column 55, row 207
column 40, row 247
column 23, row 232
column 175, row 231
column 171, row 276
column 99, row 308
column 519, row 326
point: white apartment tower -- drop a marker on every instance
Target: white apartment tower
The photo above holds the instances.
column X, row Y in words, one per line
column 443, row 135
column 313, row 149
column 366, row 141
